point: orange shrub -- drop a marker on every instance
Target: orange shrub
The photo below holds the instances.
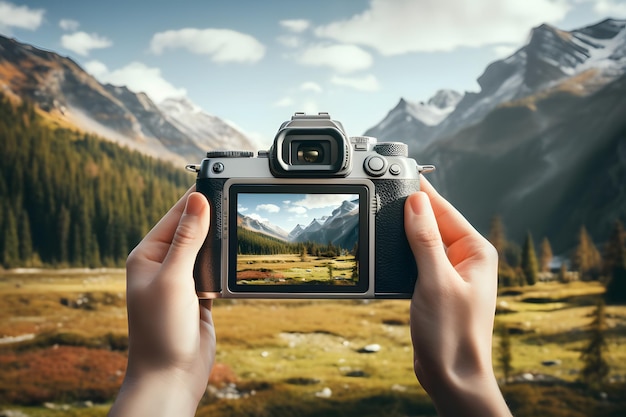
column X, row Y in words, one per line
column 60, row 374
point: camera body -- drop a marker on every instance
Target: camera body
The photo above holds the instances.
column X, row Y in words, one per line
column 319, row 215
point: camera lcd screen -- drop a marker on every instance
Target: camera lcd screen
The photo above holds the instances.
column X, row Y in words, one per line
column 298, row 238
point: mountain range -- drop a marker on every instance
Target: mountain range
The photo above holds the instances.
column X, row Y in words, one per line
column 341, row 227
column 542, row 144
column 175, row 129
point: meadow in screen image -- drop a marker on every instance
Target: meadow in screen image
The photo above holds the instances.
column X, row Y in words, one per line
column 293, row 239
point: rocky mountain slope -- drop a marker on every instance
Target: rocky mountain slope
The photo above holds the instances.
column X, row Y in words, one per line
column 543, row 144
column 172, row 130
column 340, row 227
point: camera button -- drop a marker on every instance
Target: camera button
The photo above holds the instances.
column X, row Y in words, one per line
column 218, row 167
column 375, row 166
column 395, row 169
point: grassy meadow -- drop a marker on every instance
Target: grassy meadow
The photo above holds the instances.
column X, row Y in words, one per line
column 292, row 269
column 63, row 351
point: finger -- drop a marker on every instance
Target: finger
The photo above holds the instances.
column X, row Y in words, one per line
column 207, row 304
column 188, row 237
column 453, row 226
column 163, row 231
column 423, row 235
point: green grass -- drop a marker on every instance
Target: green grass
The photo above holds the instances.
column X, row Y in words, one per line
column 284, row 352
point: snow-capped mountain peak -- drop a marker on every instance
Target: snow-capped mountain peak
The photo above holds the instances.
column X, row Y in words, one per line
column 209, row 131
column 179, row 105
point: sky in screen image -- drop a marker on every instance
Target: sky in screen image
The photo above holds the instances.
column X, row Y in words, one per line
column 289, row 210
column 255, row 63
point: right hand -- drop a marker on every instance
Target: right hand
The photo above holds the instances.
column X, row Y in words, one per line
column 453, row 307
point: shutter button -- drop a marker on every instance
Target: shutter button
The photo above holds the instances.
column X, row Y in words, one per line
column 375, row 166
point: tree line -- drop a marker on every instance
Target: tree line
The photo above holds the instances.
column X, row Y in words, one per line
column 72, row 199
column 523, row 266
column 254, row 243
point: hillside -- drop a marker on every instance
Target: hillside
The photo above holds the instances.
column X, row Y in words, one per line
column 71, row 199
column 175, row 130
column 542, row 144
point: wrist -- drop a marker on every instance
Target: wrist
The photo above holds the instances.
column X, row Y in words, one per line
column 476, row 394
column 156, row 393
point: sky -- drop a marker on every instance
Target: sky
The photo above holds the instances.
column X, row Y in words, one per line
column 254, row 63
column 289, row 210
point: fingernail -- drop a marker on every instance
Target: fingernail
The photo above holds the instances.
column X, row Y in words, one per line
column 417, row 202
column 194, row 205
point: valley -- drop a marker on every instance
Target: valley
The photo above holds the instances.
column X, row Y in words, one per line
column 63, row 351
column 289, row 269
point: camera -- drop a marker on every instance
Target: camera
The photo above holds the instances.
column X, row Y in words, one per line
column 318, row 215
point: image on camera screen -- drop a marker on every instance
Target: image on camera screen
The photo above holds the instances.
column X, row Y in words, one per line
column 287, row 240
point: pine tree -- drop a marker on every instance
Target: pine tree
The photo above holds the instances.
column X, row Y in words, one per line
column 304, row 256
column 10, row 255
column 497, row 236
column 63, row 235
column 529, row 261
column 614, row 248
column 505, row 357
column 586, row 259
column 615, row 266
column 25, row 238
column 563, row 277
column 595, row 367
column 546, row 255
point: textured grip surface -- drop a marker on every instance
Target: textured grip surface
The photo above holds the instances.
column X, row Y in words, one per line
column 396, row 271
column 207, row 270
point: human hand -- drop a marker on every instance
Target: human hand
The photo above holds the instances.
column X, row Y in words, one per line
column 453, row 307
column 171, row 335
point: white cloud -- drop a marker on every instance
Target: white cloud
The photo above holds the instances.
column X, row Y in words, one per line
column 82, row 42
column 611, row 8
column 258, row 218
column 137, row 77
column 312, row 201
column 284, row 102
column 402, row 26
column 289, row 41
column 296, row 25
column 311, row 86
column 341, row 58
column 298, row 210
column 69, row 24
column 23, row 17
column 241, row 209
column 222, row 45
column 96, row 68
column 364, row 83
column 503, row 51
column 309, row 107
column 270, row 208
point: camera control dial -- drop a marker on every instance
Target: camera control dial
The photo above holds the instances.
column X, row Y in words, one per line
column 229, row 154
column 392, row 149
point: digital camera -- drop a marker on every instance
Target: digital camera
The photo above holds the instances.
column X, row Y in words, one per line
column 319, row 215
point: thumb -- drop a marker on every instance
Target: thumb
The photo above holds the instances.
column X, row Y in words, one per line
column 423, row 235
column 192, row 229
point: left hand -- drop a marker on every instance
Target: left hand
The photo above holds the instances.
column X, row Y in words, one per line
column 171, row 334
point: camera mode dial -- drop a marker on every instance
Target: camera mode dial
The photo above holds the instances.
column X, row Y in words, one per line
column 229, row 154
column 392, row 149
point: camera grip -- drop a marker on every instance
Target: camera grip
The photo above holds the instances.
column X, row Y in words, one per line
column 208, row 267
column 396, row 271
